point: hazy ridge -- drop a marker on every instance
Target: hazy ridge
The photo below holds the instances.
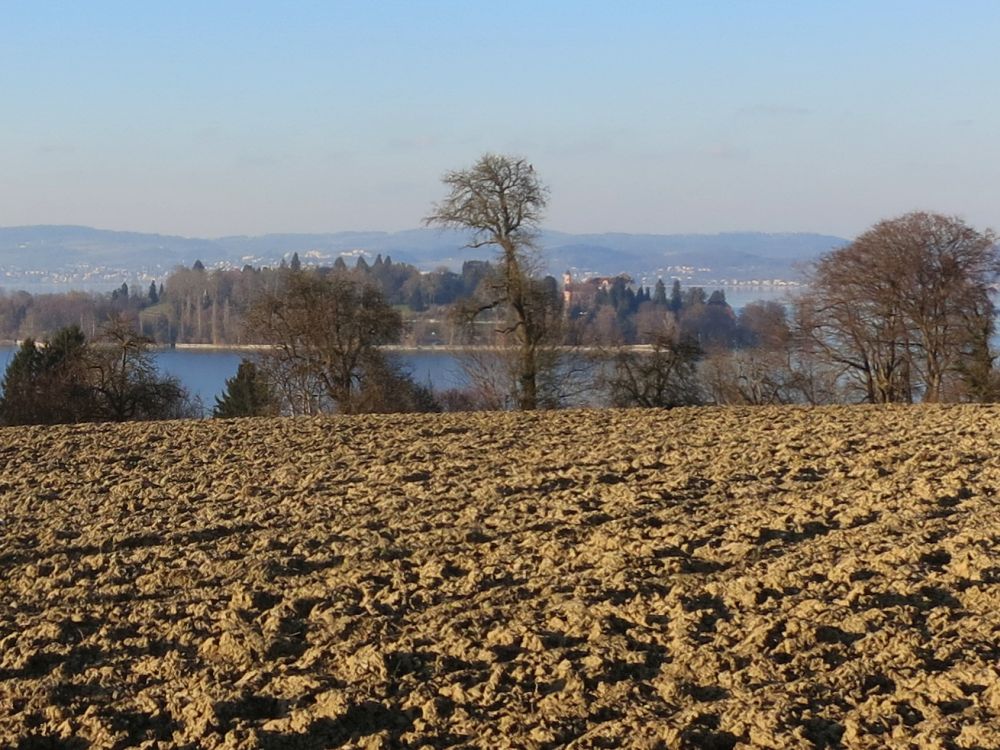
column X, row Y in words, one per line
column 734, row 254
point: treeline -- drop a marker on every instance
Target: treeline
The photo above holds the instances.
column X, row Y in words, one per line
column 903, row 314
column 200, row 306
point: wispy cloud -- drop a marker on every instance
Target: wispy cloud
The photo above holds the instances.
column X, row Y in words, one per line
column 426, row 142
column 56, row 148
column 726, row 152
column 414, row 143
column 599, row 143
column 774, row 110
column 261, row 160
column 208, row 134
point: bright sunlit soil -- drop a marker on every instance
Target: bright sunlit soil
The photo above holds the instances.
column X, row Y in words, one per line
column 700, row 578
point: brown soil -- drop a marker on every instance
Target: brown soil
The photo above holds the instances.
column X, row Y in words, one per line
column 713, row 578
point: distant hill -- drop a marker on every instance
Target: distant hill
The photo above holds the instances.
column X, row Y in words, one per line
column 731, row 255
column 51, row 247
column 66, row 249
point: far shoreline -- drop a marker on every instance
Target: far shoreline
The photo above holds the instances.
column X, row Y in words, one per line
column 393, row 348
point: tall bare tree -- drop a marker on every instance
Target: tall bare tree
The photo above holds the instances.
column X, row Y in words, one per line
column 501, row 200
column 901, row 308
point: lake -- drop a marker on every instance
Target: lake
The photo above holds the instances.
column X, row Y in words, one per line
column 204, row 371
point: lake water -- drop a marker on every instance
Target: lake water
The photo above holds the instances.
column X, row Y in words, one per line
column 204, row 371
column 740, row 296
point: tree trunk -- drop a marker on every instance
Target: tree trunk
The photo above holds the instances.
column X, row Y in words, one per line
column 529, row 378
column 215, row 321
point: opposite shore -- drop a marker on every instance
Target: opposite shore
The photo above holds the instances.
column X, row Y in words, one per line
column 400, row 348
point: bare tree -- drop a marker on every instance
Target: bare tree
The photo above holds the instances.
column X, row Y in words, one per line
column 500, row 199
column 664, row 377
column 768, row 364
column 324, row 333
column 900, row 308
column 125, row 381
column 663, row 374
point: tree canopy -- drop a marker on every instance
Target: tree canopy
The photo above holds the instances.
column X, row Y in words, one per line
column 905, row 306
column 324, row 331
column 501, row 201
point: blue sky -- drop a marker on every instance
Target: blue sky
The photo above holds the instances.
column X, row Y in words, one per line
column 216, row 118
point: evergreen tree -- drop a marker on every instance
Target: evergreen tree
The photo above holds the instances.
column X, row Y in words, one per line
column 247, row 394
column 416, row 301
column 660, row 293
column 21, row 402
column 296, row 264
column 676, row 300
column 154, row 296
column 339, row 264
column 695, row 295
column 48, row 385
column 718, row 297
column 198, row 266
column 628, row 303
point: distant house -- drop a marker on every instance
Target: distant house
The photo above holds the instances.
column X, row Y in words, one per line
column 583, row 294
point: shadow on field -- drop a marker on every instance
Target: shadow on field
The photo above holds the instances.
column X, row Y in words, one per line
column 360, row 721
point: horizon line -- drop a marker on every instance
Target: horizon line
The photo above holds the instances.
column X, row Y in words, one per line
column 411, row 229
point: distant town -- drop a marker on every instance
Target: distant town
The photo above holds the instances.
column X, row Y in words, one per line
column 62, row 258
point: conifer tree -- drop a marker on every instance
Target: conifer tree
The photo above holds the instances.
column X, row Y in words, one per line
column 676, row 300
column 47, row 385
column 21, row 403
column 247, row 394
column 660, row 293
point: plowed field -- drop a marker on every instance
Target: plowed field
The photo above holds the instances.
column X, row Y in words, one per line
column 701, row 578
